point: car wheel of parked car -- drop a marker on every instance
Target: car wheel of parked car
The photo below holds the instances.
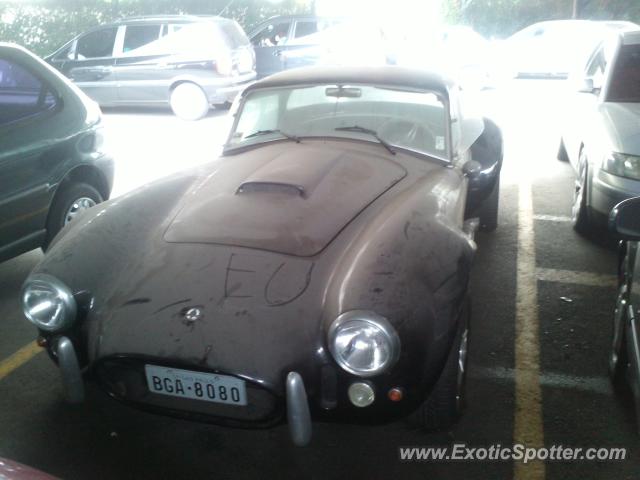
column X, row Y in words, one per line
column 189, row 102
column 618, row 354
column 580, row 210
column 446, row 402
column 67, row 205
column 488, row 212
column 562, row 152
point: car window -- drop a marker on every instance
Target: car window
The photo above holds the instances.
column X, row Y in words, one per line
column 305, row 27
column 176, row 27
column 65, row 53
column 96, row 44
column 22, row 94
column 262, row 114
column 272, row 35
column 597, row 63
column 625, row 77
column 136, row 36
column 235, row 36
column 407, row 119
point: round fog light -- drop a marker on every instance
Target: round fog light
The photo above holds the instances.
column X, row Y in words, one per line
column 361, row 394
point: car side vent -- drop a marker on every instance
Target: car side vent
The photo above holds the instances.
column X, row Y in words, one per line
column 271, row 187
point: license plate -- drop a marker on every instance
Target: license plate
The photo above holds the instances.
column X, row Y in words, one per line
column 209, row 387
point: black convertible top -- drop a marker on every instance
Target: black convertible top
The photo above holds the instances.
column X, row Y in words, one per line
column 389, row 75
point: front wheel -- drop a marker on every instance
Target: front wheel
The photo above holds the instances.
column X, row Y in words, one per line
column 488, row 212
column 579, row 210
column 189, row 102
column 68, row 203
column 618, row 354
column 444, row 406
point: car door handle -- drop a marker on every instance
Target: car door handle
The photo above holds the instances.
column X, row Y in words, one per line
column 277, row 53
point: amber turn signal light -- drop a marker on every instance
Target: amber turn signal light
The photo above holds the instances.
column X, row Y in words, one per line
column 395, row 394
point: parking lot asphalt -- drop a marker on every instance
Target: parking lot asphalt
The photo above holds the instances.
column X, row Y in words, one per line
column 543, row 298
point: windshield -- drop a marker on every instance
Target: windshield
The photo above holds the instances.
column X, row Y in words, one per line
column 406, row 119
column 625, row 78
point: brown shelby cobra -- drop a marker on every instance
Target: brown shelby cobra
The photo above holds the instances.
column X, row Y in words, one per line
column 318, row 269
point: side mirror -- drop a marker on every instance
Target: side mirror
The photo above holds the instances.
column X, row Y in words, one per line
column 586, row 85
column 624, row 219
column 472, row 169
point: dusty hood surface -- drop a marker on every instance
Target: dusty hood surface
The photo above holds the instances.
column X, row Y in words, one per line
column 287, row 198
column 622, row 123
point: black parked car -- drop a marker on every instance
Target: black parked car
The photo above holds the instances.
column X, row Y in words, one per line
column 187, row 62
column 624, row 359
column 286, row 42
column 52, row 164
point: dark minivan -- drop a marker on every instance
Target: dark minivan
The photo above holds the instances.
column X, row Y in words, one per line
column 188, row 62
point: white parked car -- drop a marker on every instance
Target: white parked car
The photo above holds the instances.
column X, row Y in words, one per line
column 601, row 131
column 458, row 50
column 552, row 49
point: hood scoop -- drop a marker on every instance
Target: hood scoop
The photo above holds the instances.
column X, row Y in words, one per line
column 270, row 187
column 283, row 199
column 288, row 174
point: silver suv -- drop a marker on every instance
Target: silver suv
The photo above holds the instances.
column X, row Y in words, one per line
column 188, row 62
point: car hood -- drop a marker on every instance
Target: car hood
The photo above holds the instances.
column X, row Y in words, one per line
column 265, row 313
column 285, row 198
column 622, row 122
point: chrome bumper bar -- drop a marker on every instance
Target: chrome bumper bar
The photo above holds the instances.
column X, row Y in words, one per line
column 70, row 370
column 298, row 413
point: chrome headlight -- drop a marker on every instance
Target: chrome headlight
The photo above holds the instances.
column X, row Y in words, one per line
column 622, row 165
column 363, row 343
column 48, row 303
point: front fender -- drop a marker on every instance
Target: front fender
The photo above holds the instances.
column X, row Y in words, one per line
column 411, row 266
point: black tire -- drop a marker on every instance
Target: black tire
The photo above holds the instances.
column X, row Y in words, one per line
column 444, row 406
column 62, row 204
column 618, row 360
column 488, row 212
column 562, row 152
column 580, row 215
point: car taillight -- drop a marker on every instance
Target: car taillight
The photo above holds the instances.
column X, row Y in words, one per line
column 224, row 65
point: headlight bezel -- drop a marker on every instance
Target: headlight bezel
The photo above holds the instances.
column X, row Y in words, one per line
column 615, row 163
column 370, row 319
column 61, row 292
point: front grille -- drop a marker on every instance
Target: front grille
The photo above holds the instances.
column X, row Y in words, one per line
column 124, row 378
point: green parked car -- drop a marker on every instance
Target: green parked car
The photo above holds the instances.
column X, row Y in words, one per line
column 52, row 162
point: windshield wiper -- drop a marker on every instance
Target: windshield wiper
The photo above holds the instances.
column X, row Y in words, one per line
column 373, row 133
column 267, row 132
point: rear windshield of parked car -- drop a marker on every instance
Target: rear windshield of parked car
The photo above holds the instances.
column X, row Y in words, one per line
column 234, row 34
column 408, row 119
column 625, row 78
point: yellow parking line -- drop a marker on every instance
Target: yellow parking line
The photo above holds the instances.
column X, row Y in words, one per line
column 19, row 358
column 528, row 427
